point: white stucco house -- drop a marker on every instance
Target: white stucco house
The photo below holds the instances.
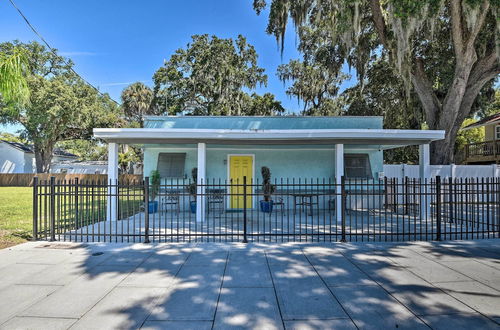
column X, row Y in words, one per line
column 20, row 158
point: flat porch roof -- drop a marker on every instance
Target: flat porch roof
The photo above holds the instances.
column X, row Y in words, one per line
column 385, row 138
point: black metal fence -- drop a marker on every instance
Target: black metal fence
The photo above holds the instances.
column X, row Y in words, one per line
column 299, row 210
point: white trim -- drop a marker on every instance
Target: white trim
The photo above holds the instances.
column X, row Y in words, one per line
column 339, row 173
column 351, row 136
column 229, row 177
column 112, row 204
column 425, row 174
column 166, row 118
column 496, row 132
column 232, row 147
column 424, row 161
column 201, row 181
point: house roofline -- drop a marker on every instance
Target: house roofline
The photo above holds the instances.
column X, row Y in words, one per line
column 220, row 117
column 19, row 146
column 488, row 121
column 28, row 149
column 269, row 136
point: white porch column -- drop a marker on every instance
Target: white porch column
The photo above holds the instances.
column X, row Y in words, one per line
column 113, row 179
column 200, row 190
column 425, row 173
column 339, row 173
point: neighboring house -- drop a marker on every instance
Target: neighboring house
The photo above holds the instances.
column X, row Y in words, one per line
column 80, row 167
column 293, row 147
column 20, row 158
column 88, row 167
column 488, row 151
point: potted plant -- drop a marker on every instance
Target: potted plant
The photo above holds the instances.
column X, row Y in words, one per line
column 268, row 189
column 191, row 188
column 154, row 188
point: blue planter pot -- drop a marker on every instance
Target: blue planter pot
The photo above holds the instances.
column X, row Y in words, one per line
column 266, row 207
column 153, row 207
column 192, row 206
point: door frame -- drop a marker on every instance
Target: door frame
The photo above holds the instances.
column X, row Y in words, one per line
column 228, row 161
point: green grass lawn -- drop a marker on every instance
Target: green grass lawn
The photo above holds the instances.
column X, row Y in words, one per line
column 16, row 212
column 15, row 215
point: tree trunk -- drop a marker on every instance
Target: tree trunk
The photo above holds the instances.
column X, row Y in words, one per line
column 43, row 157
column 443, row 151
column 451, row 115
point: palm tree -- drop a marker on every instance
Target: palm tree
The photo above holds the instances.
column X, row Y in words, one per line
column 137, row 101
column 13, row 85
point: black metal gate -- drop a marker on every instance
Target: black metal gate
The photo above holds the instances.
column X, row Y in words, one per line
column 299, row 210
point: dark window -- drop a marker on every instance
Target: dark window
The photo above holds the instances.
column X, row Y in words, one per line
column 171, row 165
column 357, row 166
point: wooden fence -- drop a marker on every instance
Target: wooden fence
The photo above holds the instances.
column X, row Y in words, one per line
column 26, row 179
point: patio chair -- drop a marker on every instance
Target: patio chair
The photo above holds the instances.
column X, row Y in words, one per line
column 215, row 197
column 279, row 202
column 171, row 198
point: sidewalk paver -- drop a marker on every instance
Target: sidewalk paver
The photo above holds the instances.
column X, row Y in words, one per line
column 34, row 323
column 420, row 296
column 371, row 307
column 459, row 321
column 177, row 325
column 476, row 271
column 482, row 298
column 15, row 298
column 438, row 285
column 195, row 295
column 247, row 270
column 76, row 298
column 301, row 293
column 243, row 308
column 337, row 324
column 122, row 308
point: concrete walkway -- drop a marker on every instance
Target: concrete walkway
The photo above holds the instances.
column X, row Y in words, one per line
column 447, row 285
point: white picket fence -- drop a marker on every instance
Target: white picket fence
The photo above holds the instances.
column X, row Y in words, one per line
column 445, row 171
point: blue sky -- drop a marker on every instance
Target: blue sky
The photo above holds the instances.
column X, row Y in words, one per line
column 115, row 43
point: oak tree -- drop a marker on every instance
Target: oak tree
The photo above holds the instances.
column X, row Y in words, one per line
column 463, row 33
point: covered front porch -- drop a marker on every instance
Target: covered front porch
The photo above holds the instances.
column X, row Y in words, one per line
column 317, row 154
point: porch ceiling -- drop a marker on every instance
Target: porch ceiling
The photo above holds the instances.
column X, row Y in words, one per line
column 384, row 138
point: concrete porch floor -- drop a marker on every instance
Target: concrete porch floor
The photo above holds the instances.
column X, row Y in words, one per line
column 322, row 226
column 445, row 285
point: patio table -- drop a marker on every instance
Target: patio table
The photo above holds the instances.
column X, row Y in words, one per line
column 308, row 198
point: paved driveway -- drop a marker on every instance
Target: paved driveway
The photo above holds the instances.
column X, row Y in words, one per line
column 448, row 285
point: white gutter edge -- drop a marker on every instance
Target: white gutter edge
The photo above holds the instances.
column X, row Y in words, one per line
column 356, row 134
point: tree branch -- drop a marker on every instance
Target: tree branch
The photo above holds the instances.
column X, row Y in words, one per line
column 456, row 27
column 466, row 62
column 425, row 92
column 479, row 25
column 486, row 69
column 379, row 21
column 482, row 67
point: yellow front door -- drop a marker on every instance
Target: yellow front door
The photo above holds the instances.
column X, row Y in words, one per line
column 240, row 166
